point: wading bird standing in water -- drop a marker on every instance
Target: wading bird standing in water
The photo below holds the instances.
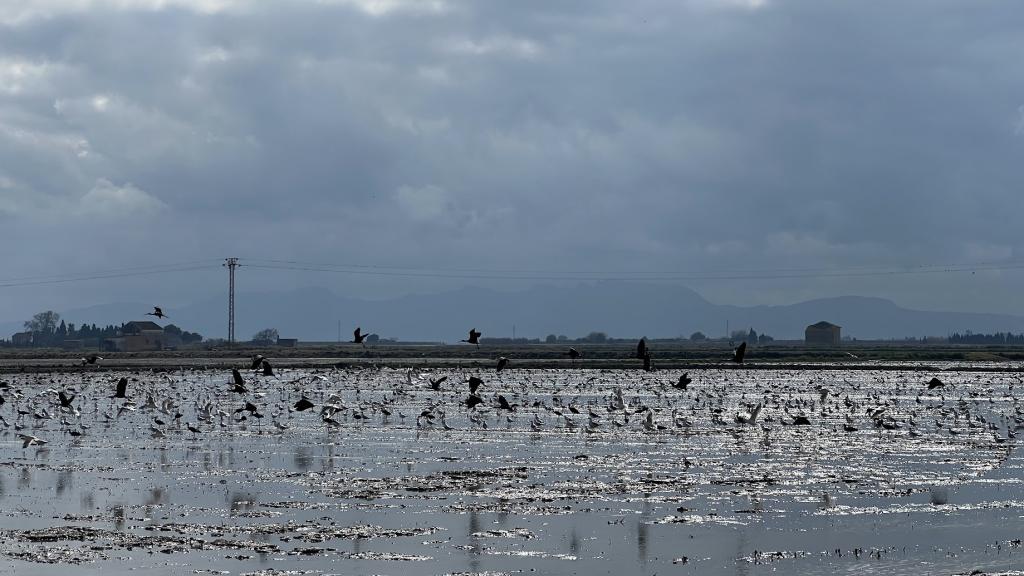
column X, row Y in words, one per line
column 574, row 355
column 739, row 352
column 641, row 349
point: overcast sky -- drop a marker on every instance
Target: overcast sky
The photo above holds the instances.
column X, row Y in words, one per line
column 704, row 137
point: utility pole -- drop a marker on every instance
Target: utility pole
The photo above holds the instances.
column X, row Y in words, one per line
column 231, row 264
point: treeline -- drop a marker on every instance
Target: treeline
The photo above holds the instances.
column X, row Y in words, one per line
column 47, row 329
column 750, row 337
column 996, row 339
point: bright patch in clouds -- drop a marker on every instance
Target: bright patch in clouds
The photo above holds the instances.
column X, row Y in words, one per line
column 110, row 200
column 503, row 45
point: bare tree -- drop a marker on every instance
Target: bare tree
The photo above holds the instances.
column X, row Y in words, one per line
column 43, row 322
column 266, row 335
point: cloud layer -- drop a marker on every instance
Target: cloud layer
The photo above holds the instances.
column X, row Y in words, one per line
column 699, row 135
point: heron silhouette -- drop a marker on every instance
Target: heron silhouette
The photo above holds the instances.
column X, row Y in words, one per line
column 474, row 337
column 238, row 382
column 574, row 355
column 739, row 352
column 641, row 349
column 157, row 312
column 435, row 384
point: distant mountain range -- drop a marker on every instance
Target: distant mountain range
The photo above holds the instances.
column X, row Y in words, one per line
column 620, row 309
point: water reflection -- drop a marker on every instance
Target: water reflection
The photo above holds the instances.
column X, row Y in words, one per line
column 474, row 549
column 303, row 458
column 64, row 481
column 117, row 512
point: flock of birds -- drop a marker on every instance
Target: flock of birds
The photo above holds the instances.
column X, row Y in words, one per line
column 593, row 405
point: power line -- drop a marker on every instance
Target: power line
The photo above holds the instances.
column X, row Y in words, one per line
column 110, row 271
column 103, row 276
column 692, row 276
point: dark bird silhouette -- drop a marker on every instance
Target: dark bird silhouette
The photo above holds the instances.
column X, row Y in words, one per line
column 502, row 363
column 122, row 388
column 647, row 362
column 358, row 336
column 303, row 404
column 91, row 359
column 684, row 381
column 257, row 361
column 504, row 405
column 801, row 421
column 474, row 337
column 436, row 384
column 574, row 354
column 473, row 400
column 739, row 352
column 239, row 383
column 157, row 312
column 641, row 349
column 65, row 400
column 249, row 407
column 935, row 383
column 474, row 384
column 267, row 369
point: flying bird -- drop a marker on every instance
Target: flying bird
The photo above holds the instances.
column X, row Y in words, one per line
column 474, row 383
column 65, row 400
column 30, row 440
column 935, row 383
column 750, row 416
column 91, row 359
column 303, row 404
column 504, row 405
column 739, row 352
column 502, row 363
column 157, row 312
column 473, row 400
column 267, row 369
column 358, row 336
column 474, row 337
column 257, row 361
column 684, row 381
column 436, row 384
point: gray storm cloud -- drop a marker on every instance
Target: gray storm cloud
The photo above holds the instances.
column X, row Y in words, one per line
column 704, row 135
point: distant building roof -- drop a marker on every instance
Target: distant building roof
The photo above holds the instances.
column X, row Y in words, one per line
column 824, row 324
column 140, row 326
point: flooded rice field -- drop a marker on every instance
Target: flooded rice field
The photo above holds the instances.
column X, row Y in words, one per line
column 392, row 471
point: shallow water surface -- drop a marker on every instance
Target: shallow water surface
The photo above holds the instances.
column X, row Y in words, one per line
column 595, row 472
